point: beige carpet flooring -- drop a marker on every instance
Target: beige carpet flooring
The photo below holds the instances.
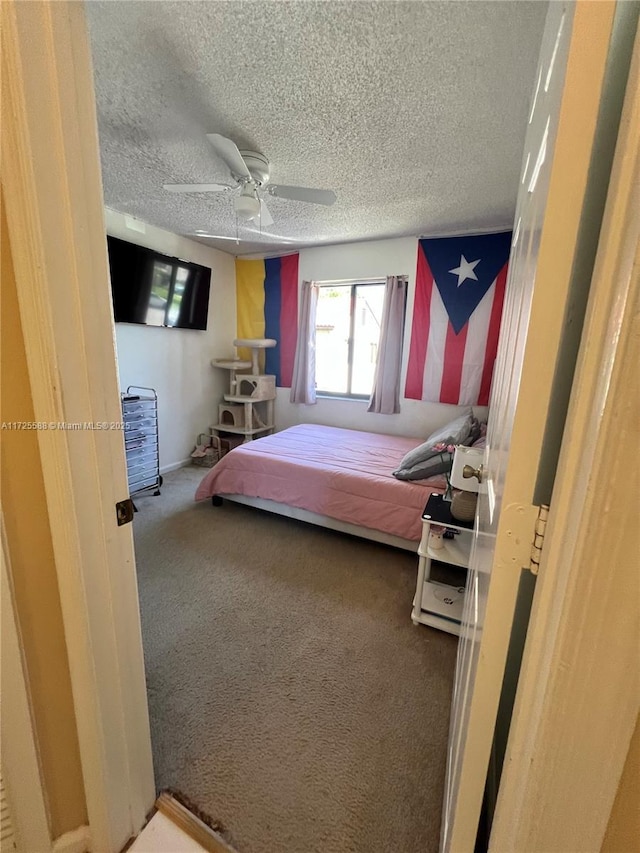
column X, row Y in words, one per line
column 290, row 695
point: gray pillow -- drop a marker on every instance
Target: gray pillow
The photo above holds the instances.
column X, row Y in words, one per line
column 457, row 431
column 426, row 468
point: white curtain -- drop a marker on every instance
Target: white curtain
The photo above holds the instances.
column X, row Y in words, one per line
column 303, row 384
column 385, row 397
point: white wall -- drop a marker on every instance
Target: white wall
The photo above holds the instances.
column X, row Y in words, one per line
column 176, row 362
column 366, row 260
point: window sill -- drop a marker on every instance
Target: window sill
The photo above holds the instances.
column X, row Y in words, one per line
column 321, row 396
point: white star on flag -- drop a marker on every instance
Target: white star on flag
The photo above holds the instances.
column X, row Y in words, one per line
column 465, row 270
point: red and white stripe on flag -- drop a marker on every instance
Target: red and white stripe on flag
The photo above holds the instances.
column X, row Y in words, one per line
column 446, row 367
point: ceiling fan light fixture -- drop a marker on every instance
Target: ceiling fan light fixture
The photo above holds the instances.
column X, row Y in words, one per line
column 247, row 204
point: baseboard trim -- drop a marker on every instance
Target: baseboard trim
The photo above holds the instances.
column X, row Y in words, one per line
column 76, row 841
column 193, row 826
column 175, row 465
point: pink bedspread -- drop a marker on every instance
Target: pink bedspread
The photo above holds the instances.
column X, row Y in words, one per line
column 342, row 473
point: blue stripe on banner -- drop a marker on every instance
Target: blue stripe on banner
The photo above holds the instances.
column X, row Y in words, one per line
column 272, row 302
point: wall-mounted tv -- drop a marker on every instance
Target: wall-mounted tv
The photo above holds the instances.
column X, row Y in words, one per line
column 157, row 290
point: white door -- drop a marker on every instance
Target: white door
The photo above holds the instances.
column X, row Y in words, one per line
column 520, row 453
column 52, row 194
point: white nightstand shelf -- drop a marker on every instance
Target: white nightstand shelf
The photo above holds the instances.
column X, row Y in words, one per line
column 454, row 552
column 441, row 606
column 438, row 604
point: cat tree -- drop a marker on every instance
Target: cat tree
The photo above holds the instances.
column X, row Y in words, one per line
column 248, row 407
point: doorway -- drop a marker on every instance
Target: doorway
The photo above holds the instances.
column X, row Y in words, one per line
column 95, row 581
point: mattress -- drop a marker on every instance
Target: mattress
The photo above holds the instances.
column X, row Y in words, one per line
column 341, row 473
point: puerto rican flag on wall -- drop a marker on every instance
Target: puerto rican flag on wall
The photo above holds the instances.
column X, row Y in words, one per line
column 460, row 284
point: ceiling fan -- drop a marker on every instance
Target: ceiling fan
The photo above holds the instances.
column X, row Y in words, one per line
column 250, row 173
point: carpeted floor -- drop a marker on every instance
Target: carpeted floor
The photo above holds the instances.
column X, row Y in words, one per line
column 290, row 695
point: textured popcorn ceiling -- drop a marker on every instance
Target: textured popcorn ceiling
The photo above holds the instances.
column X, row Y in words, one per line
column 413, row 112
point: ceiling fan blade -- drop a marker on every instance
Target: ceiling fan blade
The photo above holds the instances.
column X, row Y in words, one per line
column 327, row 197
column 196, row 188
column 227, row 150
column 214, row 236
column 265, row 216
column 250, row 237
column 276, row 238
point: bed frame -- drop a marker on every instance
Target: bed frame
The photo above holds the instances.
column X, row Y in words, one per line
column 320, row 520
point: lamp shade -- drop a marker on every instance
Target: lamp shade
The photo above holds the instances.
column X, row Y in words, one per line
column 466, row 456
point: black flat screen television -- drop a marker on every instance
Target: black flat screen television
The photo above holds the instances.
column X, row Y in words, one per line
column 156, row 290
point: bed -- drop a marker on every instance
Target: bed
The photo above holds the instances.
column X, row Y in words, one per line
column 337, row 478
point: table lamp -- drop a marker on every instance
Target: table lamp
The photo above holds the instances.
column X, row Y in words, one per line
column 463, row 503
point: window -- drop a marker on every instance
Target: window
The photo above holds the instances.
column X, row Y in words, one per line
column 347, row 333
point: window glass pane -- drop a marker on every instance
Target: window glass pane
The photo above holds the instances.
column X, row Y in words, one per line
column 160, row 283
column 332, row 339
column 366, row 335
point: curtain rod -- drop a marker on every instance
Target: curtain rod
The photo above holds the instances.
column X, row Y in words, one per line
column 335, row 281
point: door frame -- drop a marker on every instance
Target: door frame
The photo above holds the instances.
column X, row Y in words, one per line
column 52, row 189
column 20, row 760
